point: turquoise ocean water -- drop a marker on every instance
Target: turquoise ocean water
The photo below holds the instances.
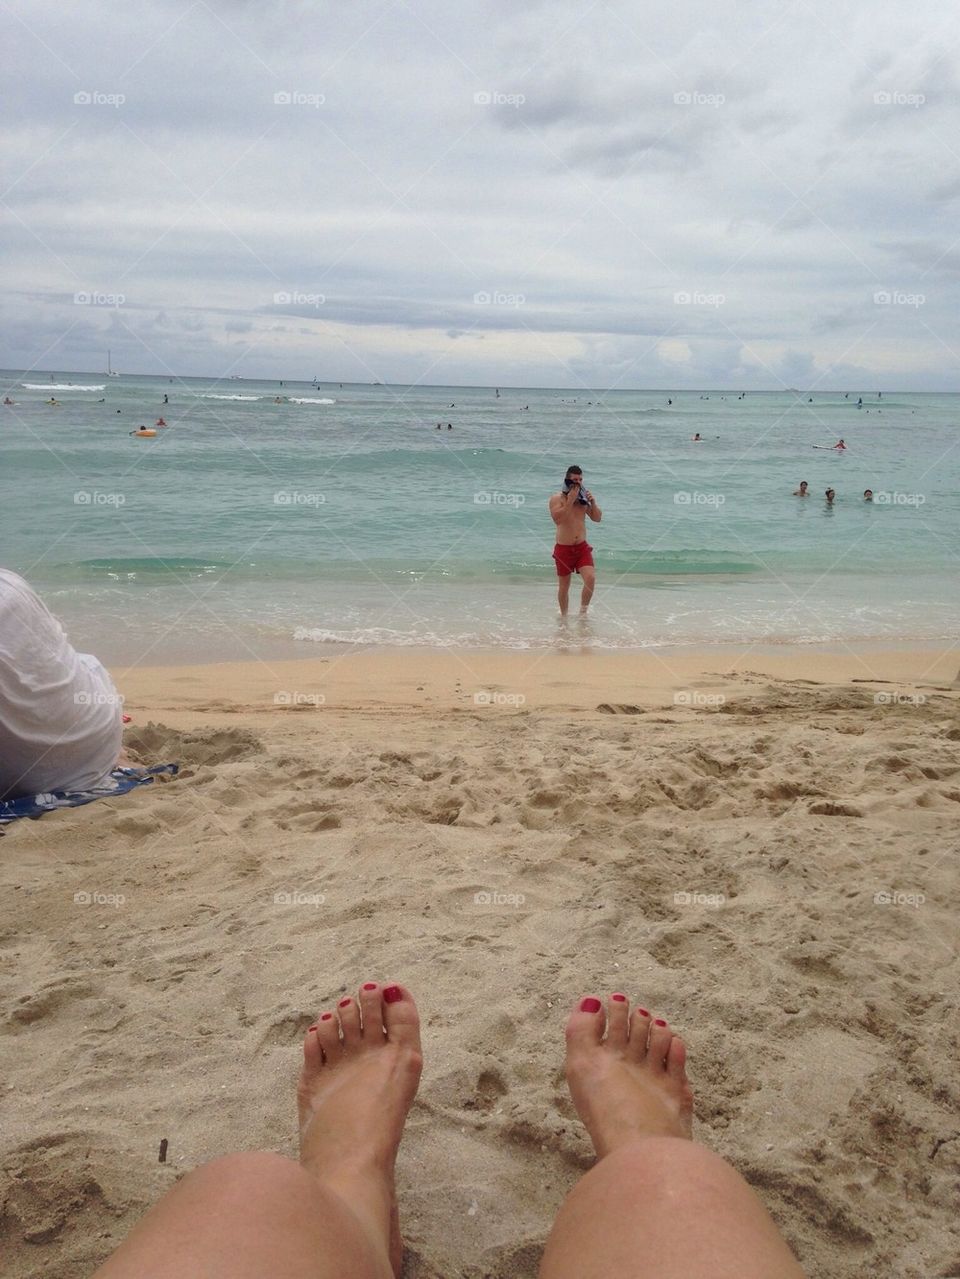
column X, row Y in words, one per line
column 341, row 516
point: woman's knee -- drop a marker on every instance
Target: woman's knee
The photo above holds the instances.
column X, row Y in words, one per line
column 249, row 1176
column 662, row 1168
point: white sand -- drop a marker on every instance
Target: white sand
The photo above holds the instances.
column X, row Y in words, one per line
column 821, row 1022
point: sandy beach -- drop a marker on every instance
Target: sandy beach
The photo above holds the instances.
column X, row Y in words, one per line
column 762, row 846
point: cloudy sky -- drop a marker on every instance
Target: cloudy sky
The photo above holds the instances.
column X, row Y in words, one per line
column 608, row 194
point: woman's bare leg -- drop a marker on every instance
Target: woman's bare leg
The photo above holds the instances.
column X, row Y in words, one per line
column 656, row 1205
column 332, row 1214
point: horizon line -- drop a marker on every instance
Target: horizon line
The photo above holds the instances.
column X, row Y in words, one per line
column 471, row 386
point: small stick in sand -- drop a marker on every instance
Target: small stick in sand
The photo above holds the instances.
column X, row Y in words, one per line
column 163, row 1150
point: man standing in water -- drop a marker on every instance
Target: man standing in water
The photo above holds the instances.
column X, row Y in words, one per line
column 572, row 553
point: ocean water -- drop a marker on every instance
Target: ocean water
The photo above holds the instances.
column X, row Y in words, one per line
column 341, row 516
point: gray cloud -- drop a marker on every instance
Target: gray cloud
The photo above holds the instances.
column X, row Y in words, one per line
column 399, row 161
column 924, row 253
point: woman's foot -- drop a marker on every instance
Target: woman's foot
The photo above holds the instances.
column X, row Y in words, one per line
column 630, row 1082
column 361, row 1068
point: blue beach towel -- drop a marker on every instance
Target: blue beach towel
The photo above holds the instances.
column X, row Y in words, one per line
column 121, row 781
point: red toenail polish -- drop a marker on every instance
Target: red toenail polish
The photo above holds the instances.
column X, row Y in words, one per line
column 370, row 985
column 326, row 1017
column 309, row 1028
column 658, row 1021
column 344, row 1002
column 392, row 994
column 643, row 1012
column 621, row 999
column 590, row 1005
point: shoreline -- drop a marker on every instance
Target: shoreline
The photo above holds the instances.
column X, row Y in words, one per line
column 478, row 680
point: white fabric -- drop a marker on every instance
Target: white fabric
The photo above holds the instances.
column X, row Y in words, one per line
column 60, row 715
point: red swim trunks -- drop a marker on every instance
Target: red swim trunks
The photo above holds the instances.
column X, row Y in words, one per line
column 571, row 559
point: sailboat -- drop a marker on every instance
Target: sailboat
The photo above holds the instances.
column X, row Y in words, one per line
column 110, row 372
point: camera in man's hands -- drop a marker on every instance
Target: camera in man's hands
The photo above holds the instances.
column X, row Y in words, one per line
column 568, row 484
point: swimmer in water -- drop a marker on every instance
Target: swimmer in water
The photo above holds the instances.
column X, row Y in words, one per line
column 829, row 495
column 868, row 495
column 161, row 422
column 840, row 445
column 697, row 439
column 802, row 490
column 53, row 401
column 7, row 399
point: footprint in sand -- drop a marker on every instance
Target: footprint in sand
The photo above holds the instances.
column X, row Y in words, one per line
column 309, row 817
column 203, row 746
column 49, row 1001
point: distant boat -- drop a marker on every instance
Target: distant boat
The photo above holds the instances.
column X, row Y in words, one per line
column 110, row 372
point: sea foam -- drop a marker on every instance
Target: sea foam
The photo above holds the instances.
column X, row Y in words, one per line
column 59, row 386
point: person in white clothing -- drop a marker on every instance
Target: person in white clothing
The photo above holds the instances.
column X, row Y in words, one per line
column 61, row 717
